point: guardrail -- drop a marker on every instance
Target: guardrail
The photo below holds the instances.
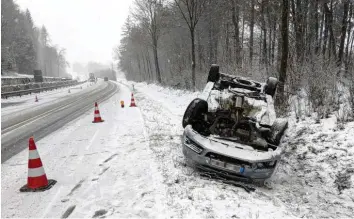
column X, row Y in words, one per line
column 36, row 90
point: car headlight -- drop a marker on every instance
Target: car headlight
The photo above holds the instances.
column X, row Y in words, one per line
column 192, row 145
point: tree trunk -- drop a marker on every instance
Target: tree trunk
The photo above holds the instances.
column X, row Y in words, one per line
column 326, row 27
column 200, row 52
column 264, row 38
column 322, row 23
column 299, row 34
column 273, row 41
column 139, row 67
column 227, row 44
column 343, row 32
column 193, row 58
column 210, row 41
column 331, row 43
column 312, row 30
column 350, row 60
column 269, row 49
column 144, row 67
column 149, row 64
column 251, row 31
column 158, row 74
column 348, row 35
column 235, row 21
column 284, row 50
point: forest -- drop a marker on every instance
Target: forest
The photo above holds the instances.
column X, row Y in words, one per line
column 307, row 44
column 25, row 47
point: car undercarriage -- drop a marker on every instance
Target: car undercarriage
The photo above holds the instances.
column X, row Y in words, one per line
column 239, row 114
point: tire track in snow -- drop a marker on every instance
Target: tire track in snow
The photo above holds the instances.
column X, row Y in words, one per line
column 68, row 212
column 77, row 186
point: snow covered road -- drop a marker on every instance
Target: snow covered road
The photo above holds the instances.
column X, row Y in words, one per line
column 43, row 117
column 105, row 167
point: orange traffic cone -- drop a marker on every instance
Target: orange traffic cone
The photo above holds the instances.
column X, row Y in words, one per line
column 132, row 104
column 97, row 116
column 122, row 103
column 36, row 100
column 37, row 179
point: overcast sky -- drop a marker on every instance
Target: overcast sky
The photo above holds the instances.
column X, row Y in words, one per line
column 88, row 29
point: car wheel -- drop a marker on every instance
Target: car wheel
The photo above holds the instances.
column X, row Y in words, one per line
column 194, row 112
column 277, row 130
column 271, row 86
column 214, row 73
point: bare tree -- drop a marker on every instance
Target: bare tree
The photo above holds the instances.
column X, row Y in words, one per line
column 61, row 61
column 343, row 31
column 150, row 14
column 251, row 31
column 191, row 11
column 284, row 49
column 235, row 20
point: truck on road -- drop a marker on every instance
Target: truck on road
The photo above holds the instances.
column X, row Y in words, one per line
column 92, row 77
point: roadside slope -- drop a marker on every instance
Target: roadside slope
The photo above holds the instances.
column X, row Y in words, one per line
column 315, row 177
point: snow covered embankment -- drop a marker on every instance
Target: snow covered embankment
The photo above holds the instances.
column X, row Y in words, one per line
column 314, row 178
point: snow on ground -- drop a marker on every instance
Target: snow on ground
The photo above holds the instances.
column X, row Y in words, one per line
column 17, row 103
column 10, row 74
column 314, row 178
column 105, row 168
column 189, row 195
column 132, row 166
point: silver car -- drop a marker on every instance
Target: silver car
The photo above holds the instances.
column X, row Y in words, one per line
column 232, row 129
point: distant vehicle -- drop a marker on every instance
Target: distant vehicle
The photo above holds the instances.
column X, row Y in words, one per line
column 92, row 77
column 105, row 78
column 38, row 76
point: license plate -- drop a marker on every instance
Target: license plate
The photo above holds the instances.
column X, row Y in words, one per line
column 233, row 167
column 225, row 165
column 217, row 163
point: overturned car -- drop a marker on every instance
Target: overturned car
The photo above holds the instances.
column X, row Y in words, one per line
column 232, row 129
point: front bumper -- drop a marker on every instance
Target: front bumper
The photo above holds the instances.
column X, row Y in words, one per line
column 228, row 158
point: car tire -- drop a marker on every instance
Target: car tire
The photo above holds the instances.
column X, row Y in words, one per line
column 271, row 86
column 277, row 130
column 194, row 112
column 214, row 74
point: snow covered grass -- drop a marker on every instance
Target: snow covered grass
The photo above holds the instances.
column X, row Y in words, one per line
column 316, row 167
column 189, row 195
column 313, row 179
